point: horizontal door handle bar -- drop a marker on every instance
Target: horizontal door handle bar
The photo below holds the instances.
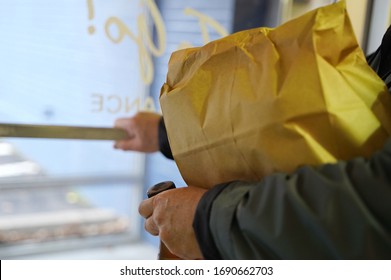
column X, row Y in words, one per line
column 61, row 132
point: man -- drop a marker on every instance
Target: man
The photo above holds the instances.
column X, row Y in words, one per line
column 334, row 211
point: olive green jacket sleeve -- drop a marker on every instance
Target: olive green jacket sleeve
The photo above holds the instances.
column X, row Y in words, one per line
column 335, row 211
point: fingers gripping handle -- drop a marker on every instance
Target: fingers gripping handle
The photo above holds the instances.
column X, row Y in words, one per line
column 164, row 253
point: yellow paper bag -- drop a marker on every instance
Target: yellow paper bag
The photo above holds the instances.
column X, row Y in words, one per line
column 267, row 100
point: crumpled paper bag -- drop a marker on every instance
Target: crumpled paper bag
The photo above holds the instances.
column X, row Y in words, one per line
column 267, row 100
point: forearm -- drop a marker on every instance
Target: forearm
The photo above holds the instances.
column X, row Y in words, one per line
column 331, row 212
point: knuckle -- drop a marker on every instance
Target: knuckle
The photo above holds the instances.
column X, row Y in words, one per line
column 150, row 227
column 159, row 219
column 144, row 209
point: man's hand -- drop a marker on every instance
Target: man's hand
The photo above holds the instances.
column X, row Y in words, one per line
column 170, row 215
column 142, row 130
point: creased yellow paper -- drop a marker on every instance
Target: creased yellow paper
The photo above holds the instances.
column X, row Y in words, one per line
column 266, row 100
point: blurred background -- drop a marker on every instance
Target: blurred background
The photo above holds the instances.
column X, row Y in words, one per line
column 87, row 63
